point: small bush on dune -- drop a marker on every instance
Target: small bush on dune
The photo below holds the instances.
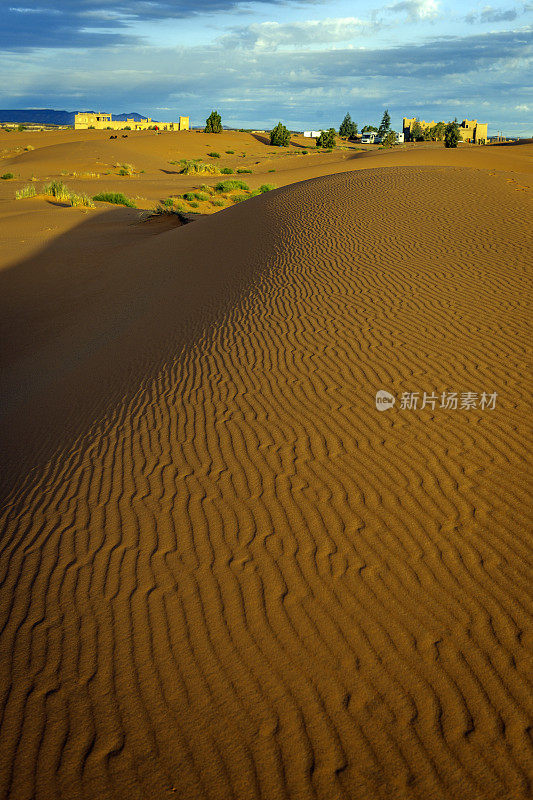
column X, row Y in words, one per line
column 230, row 152
column 271, row 170
column 244, row 171
column 168, row 201
column 227, row 171
column 193, row 203
column 114, row 197
column 214, row 155
column 205, row 188
column 266, row 187
column 217, row 202
column 239, row 198
column 26, row 191
column 7, row 176
column 189, row 196
column 228, row 186
column 29, row 147
column 125, row 169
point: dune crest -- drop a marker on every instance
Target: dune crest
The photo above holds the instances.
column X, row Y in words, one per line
column 239, row 579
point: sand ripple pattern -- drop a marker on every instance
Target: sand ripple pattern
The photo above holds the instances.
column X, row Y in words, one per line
column 248, row 583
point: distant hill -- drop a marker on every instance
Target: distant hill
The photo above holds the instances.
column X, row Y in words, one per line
column 48, row 116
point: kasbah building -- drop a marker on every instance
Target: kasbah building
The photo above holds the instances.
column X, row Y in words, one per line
column 470, row 130
column 102, row 122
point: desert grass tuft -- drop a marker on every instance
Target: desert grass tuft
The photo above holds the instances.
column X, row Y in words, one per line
column 29, row 147
column 7, row 176
column 214, row 155
column 26, row 191
column 117, row 198
column 229, row 186
column 244, row 171
column 81, row 200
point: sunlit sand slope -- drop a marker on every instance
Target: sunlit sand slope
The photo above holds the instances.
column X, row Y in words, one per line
column 244, row 581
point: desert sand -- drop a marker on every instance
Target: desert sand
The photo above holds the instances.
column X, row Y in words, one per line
column 224, row 574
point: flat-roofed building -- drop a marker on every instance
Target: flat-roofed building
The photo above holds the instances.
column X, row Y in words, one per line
column 469, row 130
column 101, row 122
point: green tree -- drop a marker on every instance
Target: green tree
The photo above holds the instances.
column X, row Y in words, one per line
column 369, row 129
column 417, row 132
column 280, row 136
column 389, row 140
column 384, row 127
column 347, row 128
column 213, row 123
column 451, row 134
column 326, row 138
column 437, row 131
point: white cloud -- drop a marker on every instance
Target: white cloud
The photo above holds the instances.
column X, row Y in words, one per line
column 417, row 9
column 272, row 35
column 522, row 107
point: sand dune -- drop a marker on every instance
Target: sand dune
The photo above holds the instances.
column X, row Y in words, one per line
column 224, row 573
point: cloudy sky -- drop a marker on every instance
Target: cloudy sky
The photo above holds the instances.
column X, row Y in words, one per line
column 305, row 62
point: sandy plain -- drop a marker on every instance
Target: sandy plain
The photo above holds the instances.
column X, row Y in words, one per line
column 224, row 573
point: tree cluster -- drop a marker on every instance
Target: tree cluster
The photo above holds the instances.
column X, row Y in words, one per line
column 451, row 134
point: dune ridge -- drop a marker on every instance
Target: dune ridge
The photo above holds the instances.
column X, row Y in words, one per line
column 245, row 581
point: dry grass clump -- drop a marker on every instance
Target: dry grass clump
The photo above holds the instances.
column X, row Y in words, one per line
column 195, row 166
column 29, row 147
column 26, row 191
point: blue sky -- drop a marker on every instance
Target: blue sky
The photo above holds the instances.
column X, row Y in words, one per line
column 306, row 63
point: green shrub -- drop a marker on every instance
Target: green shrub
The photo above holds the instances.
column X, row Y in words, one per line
column 214, row 155
column 230, row 152
column 244, row 171
column 7, row 176
column 217, row 202
column 193, row 203
column 127, row 128
column 205, row 188
column 266, row 187
column 26, row 191
column 271, row 170
column 29, row 147
column 239, row 198
column 227, row 171
column 228, row 186
column 305, row 152
column 114, row 197
column 168, row 201
column 91, row 128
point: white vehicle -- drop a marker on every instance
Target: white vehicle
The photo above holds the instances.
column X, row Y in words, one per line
column 400, row 138
column 370, row 137
column 312, row 134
